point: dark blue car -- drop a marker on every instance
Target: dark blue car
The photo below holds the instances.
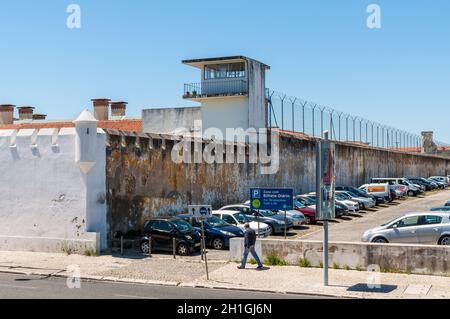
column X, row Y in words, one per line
column 217, row 232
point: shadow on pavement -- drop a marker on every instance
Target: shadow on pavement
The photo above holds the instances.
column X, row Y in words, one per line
column 385, row 289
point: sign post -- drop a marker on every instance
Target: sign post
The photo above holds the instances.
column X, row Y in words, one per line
column 325, row 194
column 279, row 199
column 202, row 212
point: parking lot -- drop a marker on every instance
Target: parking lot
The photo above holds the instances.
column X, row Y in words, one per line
column 351, row 228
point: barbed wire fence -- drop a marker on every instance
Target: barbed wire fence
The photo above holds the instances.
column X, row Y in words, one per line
column 299, row 116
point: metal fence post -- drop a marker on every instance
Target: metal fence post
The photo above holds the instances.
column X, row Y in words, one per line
column 150, row 246
column 174, row 248
column 121, row 245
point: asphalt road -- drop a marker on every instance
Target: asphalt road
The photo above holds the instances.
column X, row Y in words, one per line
column 14, row 286
column 352, row 230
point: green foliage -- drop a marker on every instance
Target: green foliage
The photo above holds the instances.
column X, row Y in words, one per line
column 90, row 252
column 304, row 263
column 272, row 259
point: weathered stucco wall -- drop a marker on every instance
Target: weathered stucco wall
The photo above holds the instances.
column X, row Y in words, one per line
column 143, row 181
column 170, row 120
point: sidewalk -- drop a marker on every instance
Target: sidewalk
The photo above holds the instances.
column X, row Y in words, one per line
column 190, row 272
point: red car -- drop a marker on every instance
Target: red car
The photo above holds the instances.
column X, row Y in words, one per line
column 310, row 214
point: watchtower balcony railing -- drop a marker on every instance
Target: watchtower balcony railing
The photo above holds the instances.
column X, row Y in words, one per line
column 215, row 88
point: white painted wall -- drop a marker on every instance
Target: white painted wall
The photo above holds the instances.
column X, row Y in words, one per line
column 225, row 112
column 45, row 199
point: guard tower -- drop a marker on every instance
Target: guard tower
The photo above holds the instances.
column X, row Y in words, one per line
column 232, row 92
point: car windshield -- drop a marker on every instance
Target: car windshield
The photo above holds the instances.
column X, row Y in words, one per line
column 340, row 197
column 344, row 195
column 215, row 221
column 267, row 213
column 182, row 225
column 299, row 204
column 241, row 218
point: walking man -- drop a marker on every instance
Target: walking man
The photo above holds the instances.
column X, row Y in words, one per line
column 249, row 247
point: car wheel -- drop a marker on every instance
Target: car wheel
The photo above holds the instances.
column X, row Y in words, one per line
column 183, row 250
column 272, row 230
column 218, row 244
column 444, row 241
column 307, row 220
column 145, row 247
column 410, row 193
column 380, row 240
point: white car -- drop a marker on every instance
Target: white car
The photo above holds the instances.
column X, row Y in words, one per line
column 239, row 219
column 352, row 206
column 416, row 228
column 365, row 202
column 297, row 217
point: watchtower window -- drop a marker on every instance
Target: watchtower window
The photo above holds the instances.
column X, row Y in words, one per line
column 225, row 71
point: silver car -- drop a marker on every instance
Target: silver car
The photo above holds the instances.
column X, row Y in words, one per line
column 415, row 228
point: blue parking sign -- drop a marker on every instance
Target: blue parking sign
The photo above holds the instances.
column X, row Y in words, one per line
column 272, row 198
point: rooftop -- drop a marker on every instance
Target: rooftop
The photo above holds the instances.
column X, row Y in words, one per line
column 198, row 63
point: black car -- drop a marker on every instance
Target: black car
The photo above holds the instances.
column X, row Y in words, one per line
column 378, row 199
column 217, row 232
column 340, row 210
column 422, row 182
column 164, row 230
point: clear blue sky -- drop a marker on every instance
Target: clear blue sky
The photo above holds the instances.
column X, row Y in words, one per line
column 318, row 50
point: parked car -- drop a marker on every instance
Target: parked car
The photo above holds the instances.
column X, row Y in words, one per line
column 307, row 201
column 402, row 190
column 298, row 218
column 307, row 211
column 378, row 189
column 164, row 230
column 413, row 190
column 437, row 184
column 441, row 209
column 415, row 228
column 276, row 222
column 447, row 203
column 341, row 208
column 363, row 201
column 421, row 181
column 239, row 219
column 217, row 232
column 442, row 179
column 351, row 205
column 378, row 199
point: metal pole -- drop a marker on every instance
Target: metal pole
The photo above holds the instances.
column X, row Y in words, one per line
column 325, row 234
column 259, row 227
column 174, row 248
column 205, row 253
column 150, row 246
column 325, row 253
column 285, row 225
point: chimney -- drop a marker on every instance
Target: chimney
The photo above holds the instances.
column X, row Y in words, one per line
column 26, row 113
column 101, row 109
column 39, row 117
column 6, row 114
column 428, row 145
column 119, row 108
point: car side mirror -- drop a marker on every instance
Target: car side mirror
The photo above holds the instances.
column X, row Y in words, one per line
column 395, row 226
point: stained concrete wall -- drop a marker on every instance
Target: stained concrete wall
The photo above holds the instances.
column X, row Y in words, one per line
column 170, row 120
column 46, row 202
column 143, row 181
column 404, row 258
